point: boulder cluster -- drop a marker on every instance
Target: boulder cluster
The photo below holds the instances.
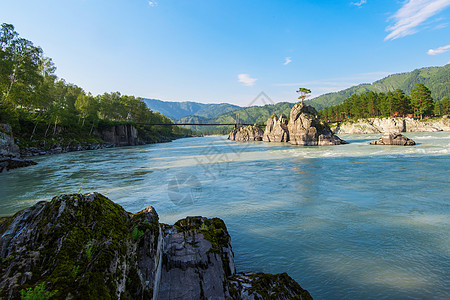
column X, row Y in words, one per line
column 303, row 128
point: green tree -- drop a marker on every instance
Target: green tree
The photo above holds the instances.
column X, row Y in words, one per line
column 421, row 100
column 303, row 93
column 19, row 66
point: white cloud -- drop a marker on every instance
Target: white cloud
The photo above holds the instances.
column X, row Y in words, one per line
column 246, row 79
column 411, row 15
column 360, row 3
column 288, row 60
column 438, row 50
column 152, row 3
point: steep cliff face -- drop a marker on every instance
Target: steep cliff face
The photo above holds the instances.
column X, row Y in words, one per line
column 9, row 151
column 387, row 125
column 8, row 147
column 306, row 129
column 276, row 130
column 120, row 135
column 247, row 133
column 87, row 247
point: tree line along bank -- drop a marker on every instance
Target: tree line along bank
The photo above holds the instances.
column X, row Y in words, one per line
column 418, row 103
column 40, row 106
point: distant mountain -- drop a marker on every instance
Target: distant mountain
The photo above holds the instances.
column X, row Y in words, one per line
column 437, row 79
column 255, row 114
column 178, row 110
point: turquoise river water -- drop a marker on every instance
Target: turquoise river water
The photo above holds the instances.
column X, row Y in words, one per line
column 347, row 222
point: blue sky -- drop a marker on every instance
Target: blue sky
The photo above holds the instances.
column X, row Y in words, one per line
column 229, row 51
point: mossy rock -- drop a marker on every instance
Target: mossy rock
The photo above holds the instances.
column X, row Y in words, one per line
column 81, row 246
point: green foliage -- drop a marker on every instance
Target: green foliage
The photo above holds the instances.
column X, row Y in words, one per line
column 44, row 110
column 179, row 110
column 75, row 270
column 89, row 251
column 435, row 78
column 137, row 234
column 391, row 104
column 37, row 293
column 303, row 93
column 421, row 100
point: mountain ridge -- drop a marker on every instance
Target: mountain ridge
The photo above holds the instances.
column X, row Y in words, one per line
column 435, row 78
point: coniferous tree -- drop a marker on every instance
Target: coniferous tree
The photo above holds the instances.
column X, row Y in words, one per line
column 421, row 100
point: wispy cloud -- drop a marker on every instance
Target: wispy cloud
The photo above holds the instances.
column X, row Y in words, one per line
column 438, row 50
column 412, row 14
column 287, row 61
column 359, row 4
column 246, row 79
column 153, row 3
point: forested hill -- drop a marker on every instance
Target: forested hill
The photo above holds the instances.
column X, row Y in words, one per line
column 178, row 110
column 435, row 78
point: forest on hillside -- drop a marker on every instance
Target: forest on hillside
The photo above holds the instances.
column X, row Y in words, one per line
column 39, row 105
column 436, row 79
column 391, row 104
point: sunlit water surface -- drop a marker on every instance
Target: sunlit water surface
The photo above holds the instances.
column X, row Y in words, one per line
column 347, row 222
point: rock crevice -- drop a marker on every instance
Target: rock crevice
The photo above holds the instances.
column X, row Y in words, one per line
column 83, row 246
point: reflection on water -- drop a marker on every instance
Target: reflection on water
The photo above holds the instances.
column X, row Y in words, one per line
column 347, row 222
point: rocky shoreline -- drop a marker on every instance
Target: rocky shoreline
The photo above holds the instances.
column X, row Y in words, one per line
column 383, row 125
column 11, row 156
column 84, row 246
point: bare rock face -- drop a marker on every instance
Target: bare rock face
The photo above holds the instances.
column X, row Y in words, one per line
column 7, row 145
column 276, row 130
column 86, row 246
column 386, row 125
column 9, row 151
column 394, row 139
column 306, row 129
column 247, row 133
column 197, row 253
column 120, row 135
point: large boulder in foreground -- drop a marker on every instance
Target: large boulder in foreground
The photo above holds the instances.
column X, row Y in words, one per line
column 306, row 129
column 276, row 129
column 396, row 139
column 246, row 134
column 87, row 247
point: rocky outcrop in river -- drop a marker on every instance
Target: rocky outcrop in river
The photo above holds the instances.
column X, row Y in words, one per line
column 9, row 151
column 246, row 133
column 396, row 139
column 86, row 246
column 306, row 129
column 382, row 125
column 276, row 129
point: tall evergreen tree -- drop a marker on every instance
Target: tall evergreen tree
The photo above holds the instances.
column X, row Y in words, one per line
column 421, row 100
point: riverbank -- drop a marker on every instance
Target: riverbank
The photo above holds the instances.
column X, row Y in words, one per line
column 13, row 150
column 381, row 125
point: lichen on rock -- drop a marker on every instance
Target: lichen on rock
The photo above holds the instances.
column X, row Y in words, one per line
column 87, row 247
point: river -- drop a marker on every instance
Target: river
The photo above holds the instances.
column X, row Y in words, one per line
column 347, row 222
